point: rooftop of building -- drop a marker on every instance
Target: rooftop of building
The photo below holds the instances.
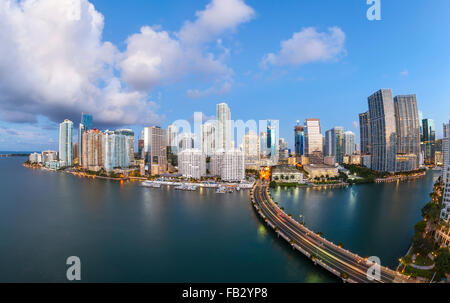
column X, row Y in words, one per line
column 319, row 166
column 285, row 168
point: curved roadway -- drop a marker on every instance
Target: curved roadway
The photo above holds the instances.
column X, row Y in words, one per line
column 341, row 262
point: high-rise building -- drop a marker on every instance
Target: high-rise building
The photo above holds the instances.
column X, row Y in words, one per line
column 445, row 213
column 233, row 166
column 186, row 141
column 299, row 135
column 272, row 139
column 209, row 138
column 364, row 127
column 155, row 149
column 428, row 138
column 349, row 143
column 263, row 144
column 93, row 150
column 313, row 141
column 124, row 148
column 192, row 163
column 446, row 155
column 85, row 125
column 141, row 149
column 407, row 126
column 65, row 142
column 251, row 149
column 334, row 143
column 383, row 130
column 216, row 162
column 223, row 114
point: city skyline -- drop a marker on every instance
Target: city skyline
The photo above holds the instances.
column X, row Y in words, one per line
column 286, row 90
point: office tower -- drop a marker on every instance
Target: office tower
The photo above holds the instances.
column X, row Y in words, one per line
column 327, row 145
column 429, row 136
column 272, row 139
column 364, row 127
column 299, row 135
column 85, row 125
column 209, row 138
column 172, row 137
column 313, row 141
column 263, row 144
column 383, row 131
column 349, row 143
column 407, row 126
column 224, row 126
column 192, row 163
column 93, row 150
column 141, row 149
column 251, row 149
column 155, row 149
column 65, row 142
column 334, row 144
column 233, row 166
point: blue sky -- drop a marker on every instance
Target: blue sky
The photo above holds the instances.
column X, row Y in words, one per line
column 406, row 51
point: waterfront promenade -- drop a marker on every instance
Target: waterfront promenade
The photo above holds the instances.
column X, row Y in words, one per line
column 340, row 262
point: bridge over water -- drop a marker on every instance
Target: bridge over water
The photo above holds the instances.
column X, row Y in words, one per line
column 337, row 260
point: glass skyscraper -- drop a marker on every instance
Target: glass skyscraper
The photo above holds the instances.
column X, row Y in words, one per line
column 428, row 138
column 364, row 127
column 272, row 139
column 65, row 142
column 383, row 131
column 85, row 125
column 407, row 125
column 299, row 135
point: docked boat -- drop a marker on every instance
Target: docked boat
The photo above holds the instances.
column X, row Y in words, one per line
column 186, row 187
column 437, row 168
column 150, row 184
column 220, row 190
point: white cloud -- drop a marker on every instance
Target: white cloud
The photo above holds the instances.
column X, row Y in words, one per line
column 218, row 17
column 156, row 57
column 307, row 46
column 54, row 62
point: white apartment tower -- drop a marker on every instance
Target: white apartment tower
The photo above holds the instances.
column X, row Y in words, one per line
column 65, row 142
column 223, row 114
column 192, row 163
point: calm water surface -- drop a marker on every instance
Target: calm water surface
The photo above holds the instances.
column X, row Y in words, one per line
column 128, row 233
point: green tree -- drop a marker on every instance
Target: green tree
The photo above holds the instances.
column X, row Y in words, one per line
column 420, row 227
column 422, row 245
column 442, row 262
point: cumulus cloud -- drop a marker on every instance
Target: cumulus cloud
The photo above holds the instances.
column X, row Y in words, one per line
column 54, row 62
column 219, row 16
column 156, row 57
column 307, row 46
